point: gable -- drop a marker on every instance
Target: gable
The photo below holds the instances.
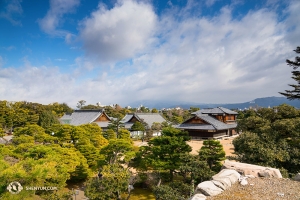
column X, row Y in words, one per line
column 133, row 119
column 102, row 118
column 195, row 120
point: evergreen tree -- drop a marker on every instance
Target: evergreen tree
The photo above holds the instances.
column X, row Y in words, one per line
column 295, row 93
column 213, row 153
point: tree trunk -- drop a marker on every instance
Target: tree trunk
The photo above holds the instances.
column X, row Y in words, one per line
column 171, row 174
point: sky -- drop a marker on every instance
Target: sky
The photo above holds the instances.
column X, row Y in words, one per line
column 123, row 51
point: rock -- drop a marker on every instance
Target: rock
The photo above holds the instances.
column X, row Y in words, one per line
column 254, row 170
column 243, row 180
column 250, row 176
column 198, row 197
column 280, row 194
column 230, row 174
column 297, row 177
column 208, row 188
column 224, row 184
column 263, row 174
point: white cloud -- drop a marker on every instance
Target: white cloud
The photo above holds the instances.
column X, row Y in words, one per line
column 118, row 33
column 54, row 17
column 9, row 48
column 199, row 59
column 12, row 11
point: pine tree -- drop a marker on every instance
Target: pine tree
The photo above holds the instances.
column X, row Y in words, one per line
column 295, row 93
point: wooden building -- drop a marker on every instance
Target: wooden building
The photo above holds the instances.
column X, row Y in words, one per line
column 79, row 117
column 147, row 118
column 211, row 123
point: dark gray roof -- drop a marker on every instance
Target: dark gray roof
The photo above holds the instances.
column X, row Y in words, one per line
column 213, row 124
column 196, row 126
column 149, row 118
column 79, row 117
column 218, row 110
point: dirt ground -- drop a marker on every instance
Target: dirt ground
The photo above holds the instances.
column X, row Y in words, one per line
column 197, row 144
column 227, row 146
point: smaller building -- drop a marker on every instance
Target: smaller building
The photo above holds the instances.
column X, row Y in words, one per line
column 211, row 123
column 79, row 117
column 148, row 118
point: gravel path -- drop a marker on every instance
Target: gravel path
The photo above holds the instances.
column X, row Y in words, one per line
column 262, row 188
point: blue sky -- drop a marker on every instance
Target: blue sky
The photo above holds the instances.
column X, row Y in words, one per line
column 209, row 51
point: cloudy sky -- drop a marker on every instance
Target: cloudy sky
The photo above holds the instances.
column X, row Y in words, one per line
column 122, row 51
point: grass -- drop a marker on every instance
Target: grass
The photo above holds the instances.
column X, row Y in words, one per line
column 141, row 194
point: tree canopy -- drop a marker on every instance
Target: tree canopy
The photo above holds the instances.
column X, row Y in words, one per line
column 270, row 137
column 295, row 92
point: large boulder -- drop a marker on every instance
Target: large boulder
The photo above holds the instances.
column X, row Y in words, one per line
column 208, row 188
column 254, row 170
column 225, row 178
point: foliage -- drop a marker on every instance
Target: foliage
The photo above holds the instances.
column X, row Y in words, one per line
column 118, row 151
column 166, row 192
column 109, row 134
column 213, row 153
column 80, row 104
column 116, row 125
column 295, row 93
column 47, row 118
column 45, row 166
column 95, row 135
column 163, row 153
column 113, row 182
column 270, row 137
column 138, row 126
column 194, row 169
column 124, row 134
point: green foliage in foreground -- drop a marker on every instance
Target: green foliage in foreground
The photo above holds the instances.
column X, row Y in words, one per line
column 113, row 182
column 271, row 137
column 213, row 153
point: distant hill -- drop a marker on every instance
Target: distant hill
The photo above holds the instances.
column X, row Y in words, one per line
column 259, row 102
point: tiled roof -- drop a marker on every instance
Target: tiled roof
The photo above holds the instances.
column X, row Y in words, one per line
column 196, row 126
column 149, row 118
column 81, row 117
column 213, row 124
column 218, row 110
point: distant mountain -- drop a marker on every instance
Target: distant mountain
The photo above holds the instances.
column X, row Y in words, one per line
column 259, row 102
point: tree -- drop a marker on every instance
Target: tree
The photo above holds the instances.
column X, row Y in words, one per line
column 116, row 125
column 213, row 153
column 109, row 134
column 139, row 126
column 118, row 151
column 295, row 93
column 194, row 168
column 274, row 141
column 124, row 134
column 47, row 119
column 163, row 153
column 154, row 110
column 113, row 182
column 81, row 103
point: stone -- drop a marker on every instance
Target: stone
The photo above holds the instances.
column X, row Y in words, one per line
column 230, row 174
column 198, row 197
column 208, row 188
column 264, row 174
column 249, row 169
column 243, row 180
column 249, row 176
column 297, row 177
column 224, row 184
